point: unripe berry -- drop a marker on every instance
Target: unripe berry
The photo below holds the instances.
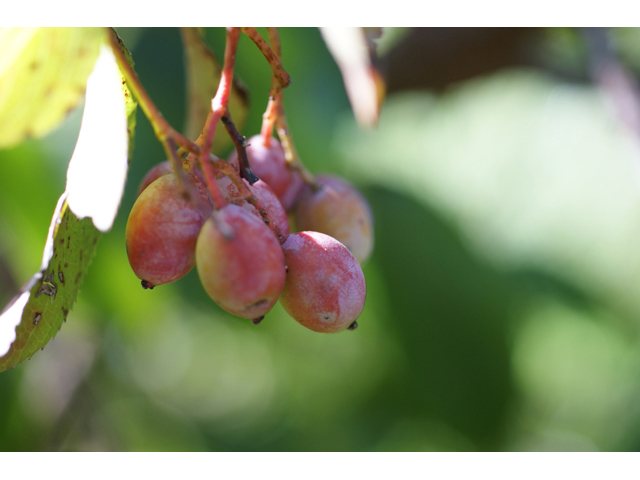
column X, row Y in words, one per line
column 338, row 209
column 240, row 262
column 269, row 164
column 162, row 230
column 325, row 287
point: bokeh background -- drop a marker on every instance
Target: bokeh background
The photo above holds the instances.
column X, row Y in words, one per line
column 503, row 304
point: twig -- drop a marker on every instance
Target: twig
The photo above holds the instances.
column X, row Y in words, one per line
column 275, row 114
column 161, row 127
column 283, row 77
column 240, row 142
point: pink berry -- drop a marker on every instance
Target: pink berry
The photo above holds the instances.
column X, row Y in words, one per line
column 160, row 170
column 325, row 288
column 269, row 164
column 265, row 196
column 339, row 210
column 162, row 230
column 240, row 262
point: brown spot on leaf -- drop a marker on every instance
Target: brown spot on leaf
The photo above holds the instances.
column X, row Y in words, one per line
column 36, row 318
column 48, row 286
column 61, row 277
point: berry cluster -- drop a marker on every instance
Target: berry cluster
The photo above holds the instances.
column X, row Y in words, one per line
column 243, row 249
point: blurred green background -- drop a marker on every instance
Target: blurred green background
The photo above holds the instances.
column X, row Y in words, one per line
column 503, row 304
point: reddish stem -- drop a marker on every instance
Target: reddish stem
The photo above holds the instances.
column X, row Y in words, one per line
column 161, row 127
column 269, row 120
column 240, row 143
column 212, row 185
column 274, row 41
column 219, row 105
column 230, row 171
column 220, row 101
column 283, row 77
column 269, row 117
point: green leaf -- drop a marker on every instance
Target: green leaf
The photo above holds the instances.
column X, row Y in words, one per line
column 43, row 73
column 95, row 183
column 203, row 76
column 50, row 293
column 131, row 106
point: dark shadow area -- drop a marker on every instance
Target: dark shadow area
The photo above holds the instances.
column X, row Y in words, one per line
column 450, row 314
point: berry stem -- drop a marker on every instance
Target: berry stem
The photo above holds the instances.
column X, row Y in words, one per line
column 230, row 171
column 165, row 133
column 240, row 142
column 268, row 121
column 274, row 61
column 212, row 186
column 269, row 117
column 220, row 101
column 219, row 105
column 161, row 127
column 274, row 114
column 290, row 153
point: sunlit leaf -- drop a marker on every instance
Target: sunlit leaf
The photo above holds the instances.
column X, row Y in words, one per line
column 98, row 167
column 43, row 73
column 364, row 85
column 203, row 76
column 95, row 183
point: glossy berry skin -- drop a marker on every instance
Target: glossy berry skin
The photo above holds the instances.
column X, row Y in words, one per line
column 269, row 164
column 162, row 230
column 240, row 262
column 325, row 288
column 339, row 210
column 266, row 197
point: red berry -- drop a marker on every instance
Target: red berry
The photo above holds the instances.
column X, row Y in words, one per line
column 338, row 209
column 240, row 262
column 265, row 196
column 162, row 230
column 325, row 287
column 269, row 164
column 160, row 170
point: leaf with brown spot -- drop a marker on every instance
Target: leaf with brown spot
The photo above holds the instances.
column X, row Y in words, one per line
column 42, row 77
column 85, row 210
column 49, row 298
